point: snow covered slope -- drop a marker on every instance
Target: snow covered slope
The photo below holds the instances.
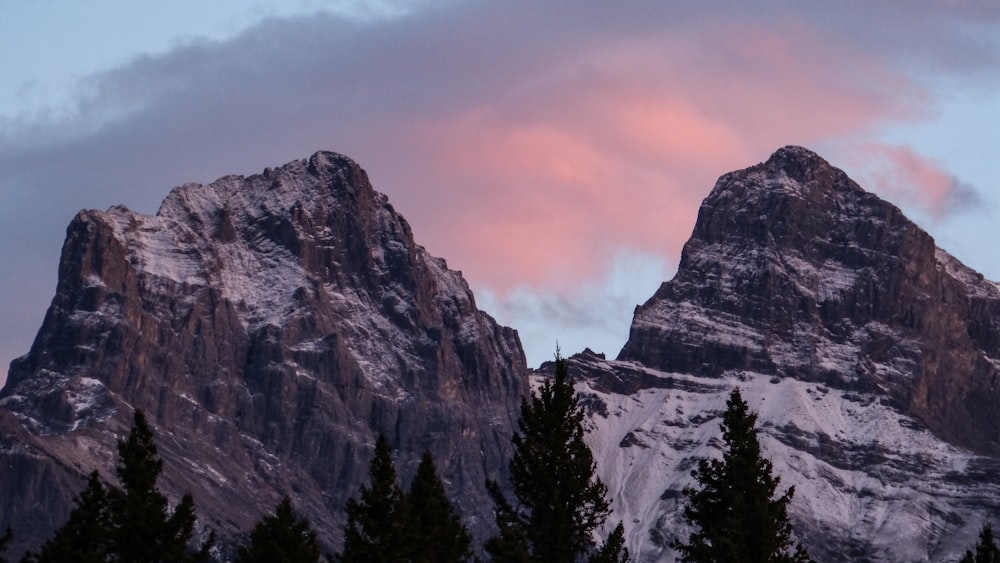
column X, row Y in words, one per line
column 872, row 356
column 870, row 484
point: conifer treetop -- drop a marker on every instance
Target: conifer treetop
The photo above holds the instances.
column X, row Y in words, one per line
column 735, row 513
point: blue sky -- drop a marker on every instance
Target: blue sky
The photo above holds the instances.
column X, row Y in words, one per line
column 555, row 153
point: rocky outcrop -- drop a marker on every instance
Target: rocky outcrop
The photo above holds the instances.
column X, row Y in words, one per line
column 269, row 326
column 794, row 270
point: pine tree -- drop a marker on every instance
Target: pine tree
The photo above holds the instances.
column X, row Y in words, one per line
column 281, row 538
column 440, row 536
column 377, row 528
column 141, row 528
column 735, row 514
column 560, row 500
column 511, row 544
column 613, row 550
column 85, row 537
column 8, row 534
column 986, row 549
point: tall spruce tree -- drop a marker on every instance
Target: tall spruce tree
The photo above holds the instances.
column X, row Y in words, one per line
column 735, row 514
column 560, row 501
column 141, row 528
column 281, row 538
column 85, row 537
column 438, row 534
column 986, row 549
column 377, row 528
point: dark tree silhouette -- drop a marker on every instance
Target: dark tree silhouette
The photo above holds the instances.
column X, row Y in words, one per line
column 986, row 549
column 85, row 537
column 560, row 501
column 613, row 550
column 281, row 538
column 735, row 514
column 439, row 535
column 377, row 524
column 142, row 530
column 8, row 534
column 130, row 524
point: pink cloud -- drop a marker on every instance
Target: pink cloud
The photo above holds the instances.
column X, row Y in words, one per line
column 904, row 176
column 616, row 149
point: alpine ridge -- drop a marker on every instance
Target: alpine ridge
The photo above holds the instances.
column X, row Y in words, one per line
column 269, row 326
column 794, row 270
column 871, row 355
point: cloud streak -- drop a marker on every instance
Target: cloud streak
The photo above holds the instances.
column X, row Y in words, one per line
column 902, row 175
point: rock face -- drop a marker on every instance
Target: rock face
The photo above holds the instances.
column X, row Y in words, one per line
column 871, row 355
column 795, row 271
column 269, row 326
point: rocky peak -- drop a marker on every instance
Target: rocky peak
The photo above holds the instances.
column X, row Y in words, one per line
column 796, row 271
column 269, row 325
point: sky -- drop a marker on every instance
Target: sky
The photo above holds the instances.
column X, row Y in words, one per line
column 556, row 153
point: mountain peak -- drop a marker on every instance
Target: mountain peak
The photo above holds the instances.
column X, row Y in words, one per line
column 793, row 155
column 804, row 168
column 288, row 315
column 794, row 270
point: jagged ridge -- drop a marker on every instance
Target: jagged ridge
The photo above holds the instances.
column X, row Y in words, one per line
column 796, row 271
column 269, row 325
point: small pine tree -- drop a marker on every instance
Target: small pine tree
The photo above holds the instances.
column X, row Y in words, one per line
column 85, row 537
column 986, row 549
column 8, row 534
column 613, row 550
column 560, row 500
column 440, row 536
column 141, row 528
column 281, row 538
column 377, row 524
column 734, row 512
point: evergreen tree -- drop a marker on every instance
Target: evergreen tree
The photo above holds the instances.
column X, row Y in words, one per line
column 85, row 537
column 439, row 535
column 735, row 514
column 986, row 549
column 560, row 500
column 511, row 544
column 613, row 550
column 141, row 528
column 281, row 538
column 8, row 534
column 377, row 528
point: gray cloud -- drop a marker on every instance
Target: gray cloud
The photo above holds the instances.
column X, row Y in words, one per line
column 286, row 88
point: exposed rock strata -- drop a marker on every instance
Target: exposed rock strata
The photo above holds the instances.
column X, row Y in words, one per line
column 269, row 326
column 796, row 271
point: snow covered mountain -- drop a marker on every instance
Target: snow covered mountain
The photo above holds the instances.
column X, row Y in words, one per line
column 269, row 326
column 871, row 355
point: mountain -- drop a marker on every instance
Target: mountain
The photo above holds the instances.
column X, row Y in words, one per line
column 871, row 355
column 269, row 326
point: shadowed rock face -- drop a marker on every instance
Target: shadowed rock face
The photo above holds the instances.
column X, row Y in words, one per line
column 794, row 270
column 269, row 326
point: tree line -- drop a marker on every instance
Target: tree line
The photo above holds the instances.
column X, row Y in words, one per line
column 559, row 504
